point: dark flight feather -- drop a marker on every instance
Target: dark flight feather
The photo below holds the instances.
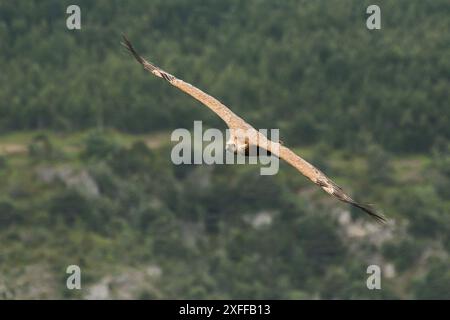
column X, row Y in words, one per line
column 339, row 193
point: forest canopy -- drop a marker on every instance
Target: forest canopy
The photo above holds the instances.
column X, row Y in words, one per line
column 86, row 176
column 311, row 69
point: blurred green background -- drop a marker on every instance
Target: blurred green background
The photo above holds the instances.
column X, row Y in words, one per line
column 85, row 170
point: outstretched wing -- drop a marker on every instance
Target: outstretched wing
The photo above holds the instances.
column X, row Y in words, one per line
column 235, row 122
column 230, row 118
column 315, row 175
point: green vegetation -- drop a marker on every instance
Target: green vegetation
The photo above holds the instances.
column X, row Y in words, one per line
column 85, row 169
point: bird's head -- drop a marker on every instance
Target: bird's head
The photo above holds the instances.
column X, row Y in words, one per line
column 235, row 145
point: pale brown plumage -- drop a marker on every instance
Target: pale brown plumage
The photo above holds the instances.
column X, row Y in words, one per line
column 252, row 136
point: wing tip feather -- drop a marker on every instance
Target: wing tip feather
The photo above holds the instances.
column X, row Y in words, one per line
column 127, row 44
column 369, row 209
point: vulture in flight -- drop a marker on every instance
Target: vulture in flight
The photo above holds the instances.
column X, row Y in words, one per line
column 238, row 143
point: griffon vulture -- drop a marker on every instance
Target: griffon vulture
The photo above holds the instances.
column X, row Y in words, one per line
column 241, row 144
